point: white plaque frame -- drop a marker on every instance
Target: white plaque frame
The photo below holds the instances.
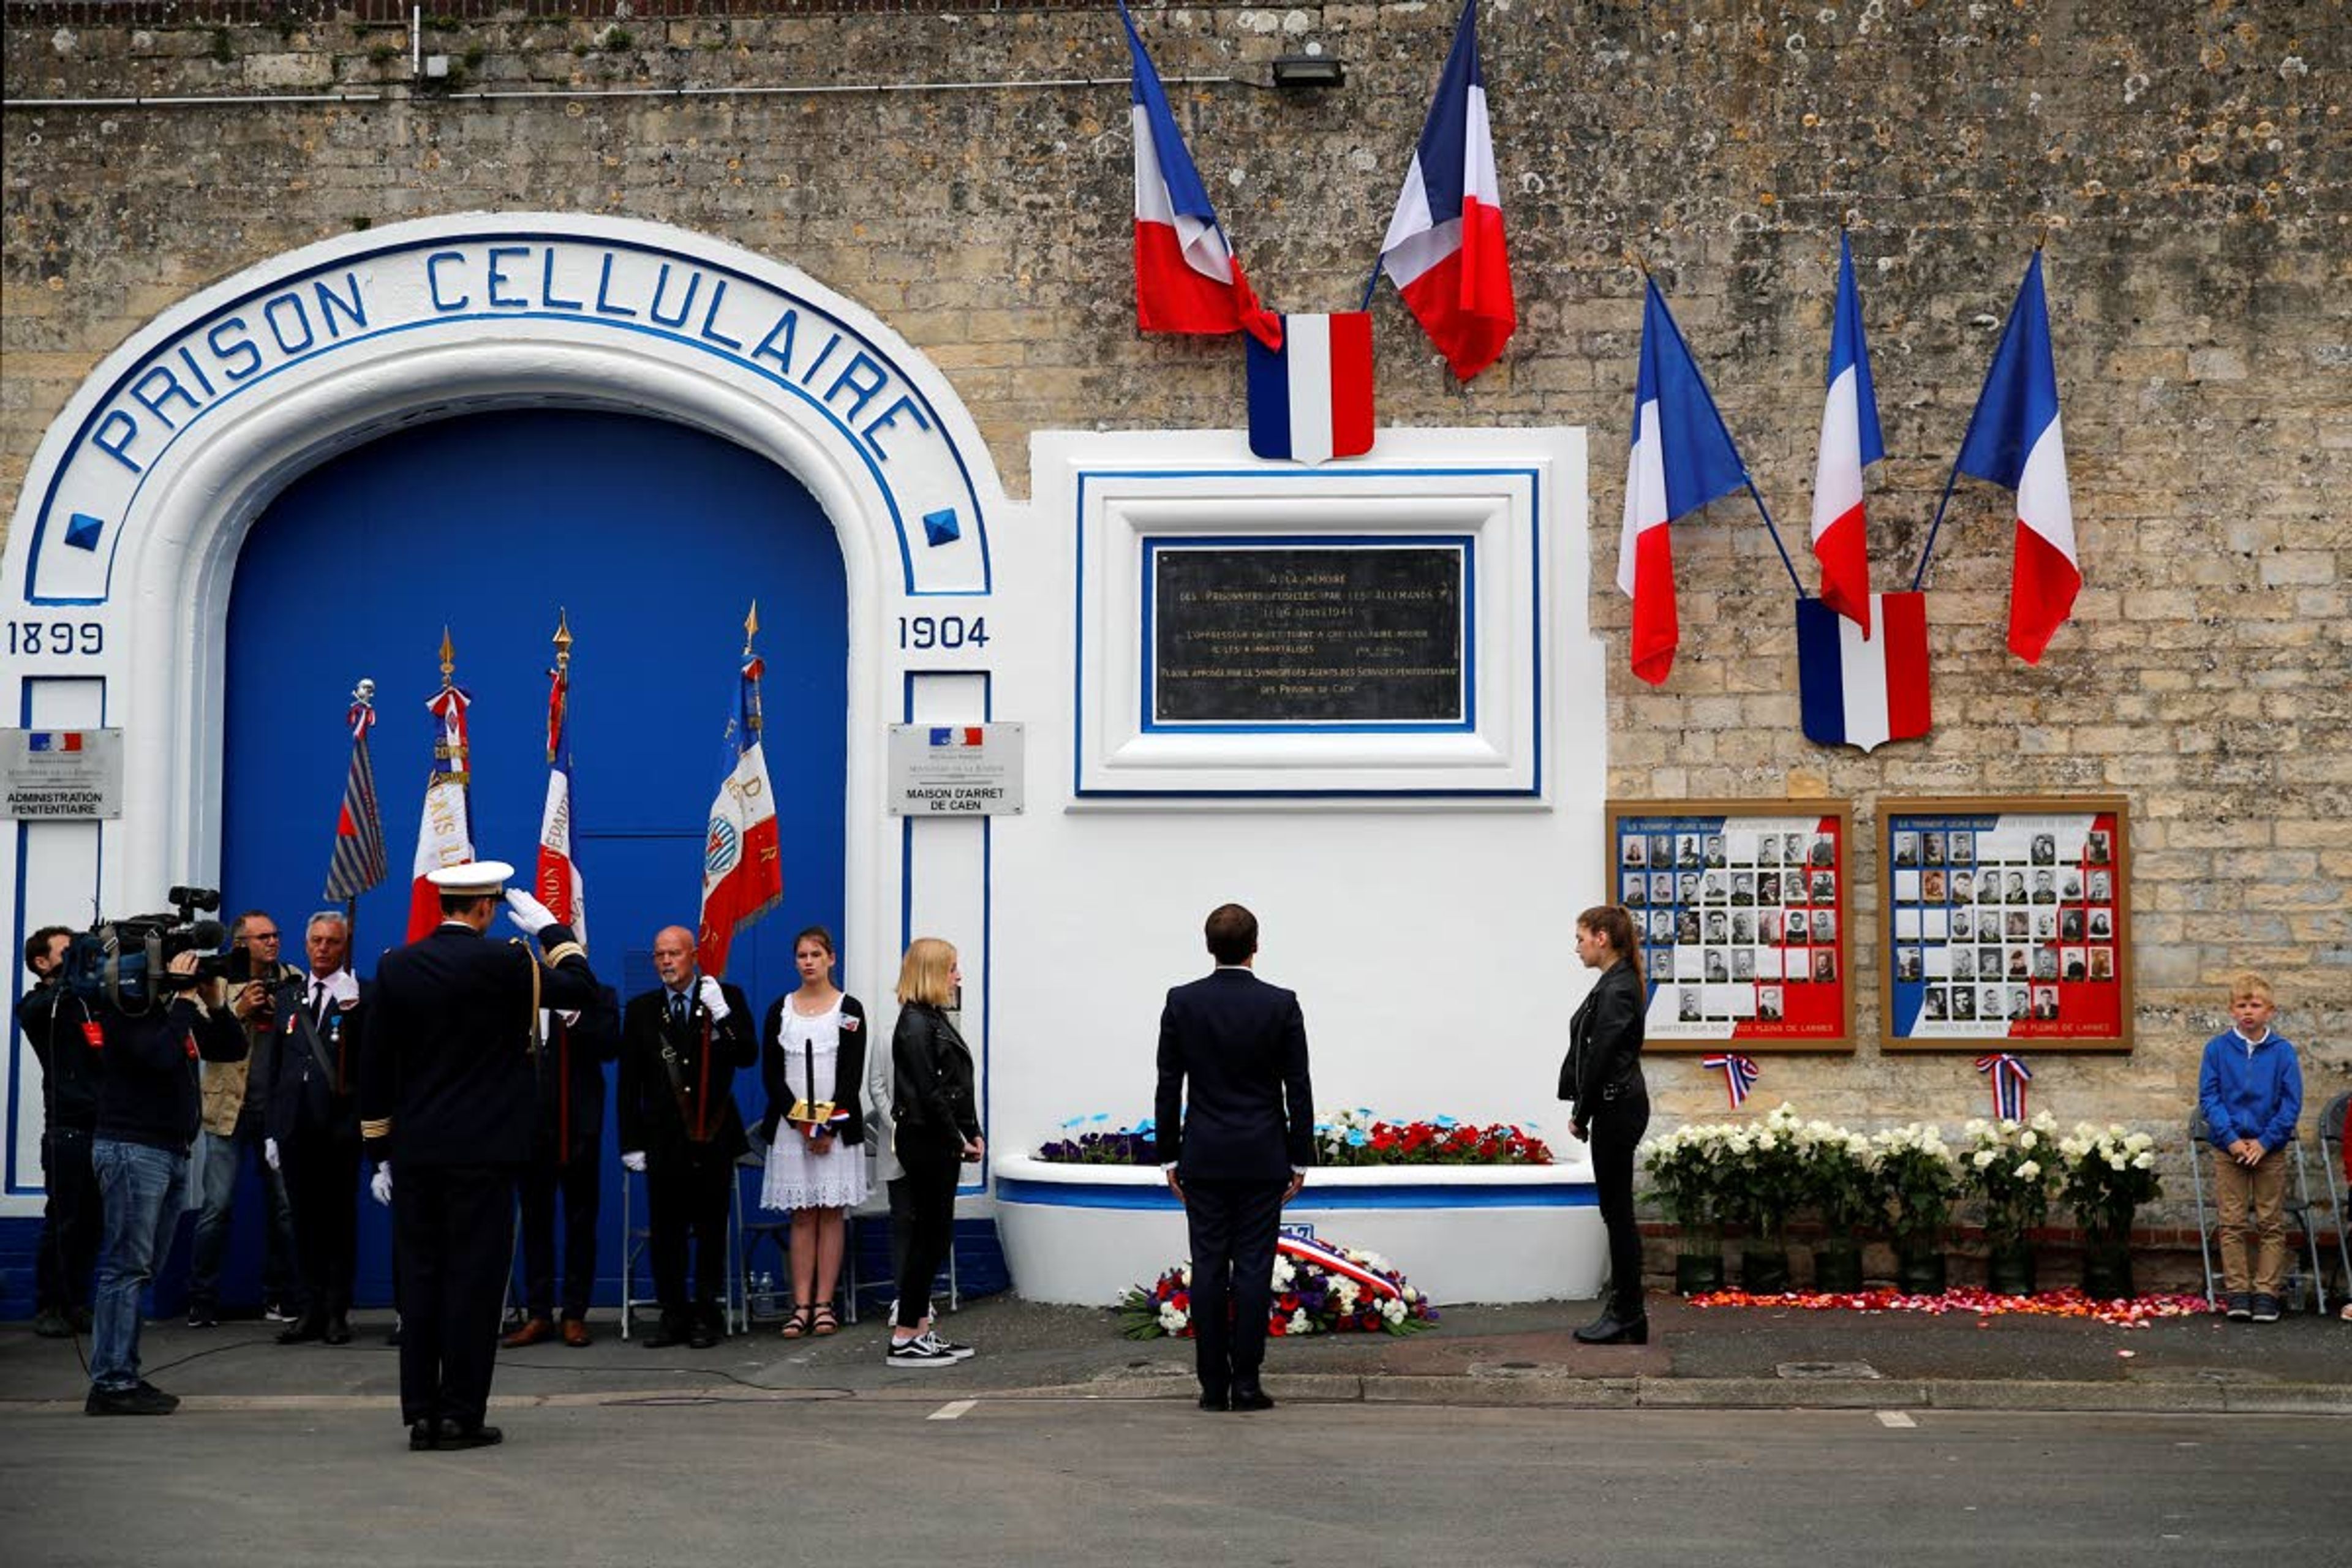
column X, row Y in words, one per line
column 1519, row 494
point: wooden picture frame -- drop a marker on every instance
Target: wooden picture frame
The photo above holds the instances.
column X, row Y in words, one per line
column 1762, row 974
column 2061, row 954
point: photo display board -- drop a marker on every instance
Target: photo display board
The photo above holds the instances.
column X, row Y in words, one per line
column 1743, row 913
column 2005, row 923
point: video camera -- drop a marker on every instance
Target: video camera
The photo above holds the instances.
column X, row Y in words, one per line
column 124, row 963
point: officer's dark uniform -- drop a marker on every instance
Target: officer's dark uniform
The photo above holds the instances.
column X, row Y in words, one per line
column 313, row 1113
column 447, row 1096
column 57, row 1023
column 565, row 1158
column 676, row 1087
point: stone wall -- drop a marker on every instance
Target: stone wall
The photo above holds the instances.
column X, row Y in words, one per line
column 2189, row 165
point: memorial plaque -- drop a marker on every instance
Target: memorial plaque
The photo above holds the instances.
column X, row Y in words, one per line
column 1309, row 634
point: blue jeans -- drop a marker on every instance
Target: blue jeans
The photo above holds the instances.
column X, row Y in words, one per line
column 143, row 1190
column 212, row 1181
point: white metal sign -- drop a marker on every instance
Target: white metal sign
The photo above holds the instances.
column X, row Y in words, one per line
column 955, row 770
column 51, row 775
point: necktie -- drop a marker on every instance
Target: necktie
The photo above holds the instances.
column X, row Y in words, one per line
column 317, row 1001
column 676, row 1008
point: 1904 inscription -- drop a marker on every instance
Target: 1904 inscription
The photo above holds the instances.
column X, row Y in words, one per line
column 1332, row 634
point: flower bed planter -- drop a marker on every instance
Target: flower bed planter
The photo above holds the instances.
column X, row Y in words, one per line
column 1083, row 1234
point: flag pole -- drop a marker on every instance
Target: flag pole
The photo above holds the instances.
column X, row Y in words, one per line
column 361, row 718
column 1928, row 552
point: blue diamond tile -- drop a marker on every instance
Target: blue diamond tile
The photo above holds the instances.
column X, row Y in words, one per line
column 82, row 530
column 942, row 528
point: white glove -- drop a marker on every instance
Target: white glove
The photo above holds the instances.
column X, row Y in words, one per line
column 269, row 1152
column 381, row 1182
column 714, row 1000
column 528, row 912
column 634, row 1160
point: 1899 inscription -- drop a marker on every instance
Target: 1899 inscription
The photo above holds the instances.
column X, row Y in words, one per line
column 1345, row 634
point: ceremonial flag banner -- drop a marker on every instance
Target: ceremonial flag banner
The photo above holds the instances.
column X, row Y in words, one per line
column 1850, row 442
column 1186, row 278
column 1445, row 249
column 1311, row 399
column 2014, row 440
column 359, row 862
column 444, row 835
column 742, row 866
column 1857, row 690
column 1682, row 458
column 559, row 884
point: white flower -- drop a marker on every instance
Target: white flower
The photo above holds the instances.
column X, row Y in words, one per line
column 1173, row 1318
column 2028, row 1139
column 1766, row 1142
column 1975, row 1126
column 1984, row 1158
column 2139, row 1141
column 1393, row 1311
column 2144, row 1160
column 2117, row 1163
column 2027, row 1169
column 1300, row 1323
column 2045, row 1122
column 1185, row 1274
column 1282, row 1272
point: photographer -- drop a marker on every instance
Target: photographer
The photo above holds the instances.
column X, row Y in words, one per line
column 54, row 1020
column 149, row 1104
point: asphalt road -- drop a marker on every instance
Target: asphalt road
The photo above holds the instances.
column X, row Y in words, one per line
column 912, row 1477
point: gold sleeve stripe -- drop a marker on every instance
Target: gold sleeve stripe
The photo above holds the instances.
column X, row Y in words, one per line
column 379, row 1128
column 565, row 949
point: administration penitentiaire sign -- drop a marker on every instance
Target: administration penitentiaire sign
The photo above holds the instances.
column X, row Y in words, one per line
column 955, row 770
column 60, row 776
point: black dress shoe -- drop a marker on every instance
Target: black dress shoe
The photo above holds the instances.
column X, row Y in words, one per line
column 303, row 1332
column 424, row 1435
column 337, row 1331
column 470, row 1437
column 703, row 1337
column 1608, row 1328
column 1250, row 1396
column 1215, row 1399
column 668, row 1333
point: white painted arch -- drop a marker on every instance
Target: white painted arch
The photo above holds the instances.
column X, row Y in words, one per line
column 129, row 543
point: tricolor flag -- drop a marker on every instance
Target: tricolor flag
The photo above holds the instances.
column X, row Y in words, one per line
column 743, row 864
column 2013, row 439
column 1683, row 458
column 1859, row 689
column 54, row 740
column 1186, row 278
column 1850, row 442
column 558, row 883
column 965, row 735
column 1311, row 399
column 2008, row 1076
column 358, row 862
column 446, row 835
column 1445, row 248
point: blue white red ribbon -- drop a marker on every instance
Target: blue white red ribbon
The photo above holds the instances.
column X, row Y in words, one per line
column 1740, row 1073
column 2009, row 1075
column 1331, row 1260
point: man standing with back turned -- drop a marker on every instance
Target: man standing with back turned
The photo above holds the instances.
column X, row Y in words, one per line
column 447, row 1096
column 1238, row 1152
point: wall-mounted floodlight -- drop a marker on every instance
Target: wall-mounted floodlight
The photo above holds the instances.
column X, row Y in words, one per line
column 1309, row 70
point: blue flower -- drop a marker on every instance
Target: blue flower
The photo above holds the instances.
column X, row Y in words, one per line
column 1356, row 1138
column 1445, row 1122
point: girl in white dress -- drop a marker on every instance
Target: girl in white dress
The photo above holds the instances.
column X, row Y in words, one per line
column 813, row 1060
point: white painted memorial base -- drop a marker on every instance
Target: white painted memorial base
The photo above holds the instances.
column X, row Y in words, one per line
column 1081, row 1234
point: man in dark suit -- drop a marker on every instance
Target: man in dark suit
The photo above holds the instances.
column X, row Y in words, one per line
column 565, row 1159
column 447, row 1094
column 681, row 1046
column 1237, row 1151
column 312, row 1123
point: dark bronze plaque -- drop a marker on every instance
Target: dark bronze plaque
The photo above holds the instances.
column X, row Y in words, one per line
column 1353, row 634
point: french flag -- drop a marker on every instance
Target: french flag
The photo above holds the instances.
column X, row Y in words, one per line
column 54, row 740
column 558, row 883
column 1683, row 458
column 1445, row 248
column 1859, row 689
column 444, row 833
column 2014, row 440
column 967, row 735
column 1186, row 278
column 1311, row 399
column 1850, row 442
column 743, row 856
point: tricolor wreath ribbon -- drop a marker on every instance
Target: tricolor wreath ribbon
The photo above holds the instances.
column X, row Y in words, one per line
column 1739, row 1073
column 2009, row 1075
column 1331, row 1260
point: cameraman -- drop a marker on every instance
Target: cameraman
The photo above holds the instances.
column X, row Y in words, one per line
column 149, row 1104
column 54, row 1020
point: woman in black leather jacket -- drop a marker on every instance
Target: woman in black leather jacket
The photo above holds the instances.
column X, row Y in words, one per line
column 1604, row 1077
column 936, row 1133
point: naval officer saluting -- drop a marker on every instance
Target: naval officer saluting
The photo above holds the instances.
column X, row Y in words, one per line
column 447, row 1094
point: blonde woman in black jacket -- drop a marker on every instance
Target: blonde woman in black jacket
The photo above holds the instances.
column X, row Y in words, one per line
column 1602, row 1076
column 936, row 1133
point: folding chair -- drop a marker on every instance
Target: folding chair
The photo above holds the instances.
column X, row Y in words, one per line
column 876, row 1209
column 636, row 1239
column 2331, row 1159
column 2296, row 1208
column 759, row 1231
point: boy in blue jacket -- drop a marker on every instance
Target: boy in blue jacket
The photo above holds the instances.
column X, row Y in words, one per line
column 2251, row 1090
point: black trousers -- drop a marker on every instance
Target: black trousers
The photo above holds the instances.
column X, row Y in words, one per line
column 451, row 1243
column 687, row 1199
column 576, row 1180
column 1233, row 1226
column 72, row 1218
column 322, row 1169
column 930, row 1225
column 1616, row 1130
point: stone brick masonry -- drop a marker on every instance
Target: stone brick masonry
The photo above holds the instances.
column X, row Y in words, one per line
column 2189, row 163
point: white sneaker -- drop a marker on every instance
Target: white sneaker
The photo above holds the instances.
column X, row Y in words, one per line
column 953, row 1350
column 917, row 1354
